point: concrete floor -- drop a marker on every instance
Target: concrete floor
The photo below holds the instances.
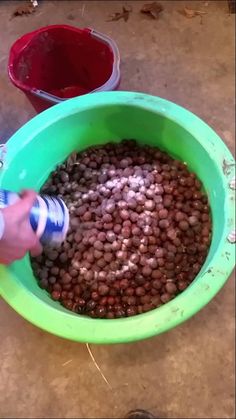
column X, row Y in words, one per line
column 188, row 372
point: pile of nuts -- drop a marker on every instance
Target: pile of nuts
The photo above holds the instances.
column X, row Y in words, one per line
column 139, row 234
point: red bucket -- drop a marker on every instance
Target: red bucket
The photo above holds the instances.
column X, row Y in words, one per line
column 58, row 62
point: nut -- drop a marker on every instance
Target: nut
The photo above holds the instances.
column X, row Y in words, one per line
column 139, row 234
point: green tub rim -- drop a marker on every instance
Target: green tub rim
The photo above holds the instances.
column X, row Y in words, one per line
column 208, row 282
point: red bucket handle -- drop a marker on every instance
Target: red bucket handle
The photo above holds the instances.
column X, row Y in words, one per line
column 115, row 76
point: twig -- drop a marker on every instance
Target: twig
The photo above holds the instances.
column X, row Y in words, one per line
column 67, row 362
column 97, row 366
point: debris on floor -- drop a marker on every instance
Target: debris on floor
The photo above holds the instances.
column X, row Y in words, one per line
column 34, row 3
column 152, row 9
column 67, row 362
column 190, row 13
column 25, row 9
column 97, row 366
column 120, row 15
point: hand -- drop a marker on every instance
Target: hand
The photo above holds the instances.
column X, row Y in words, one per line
column 18, row 237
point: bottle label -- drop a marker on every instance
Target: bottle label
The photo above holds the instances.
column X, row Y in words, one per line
column 7, row 198
column 49, row 216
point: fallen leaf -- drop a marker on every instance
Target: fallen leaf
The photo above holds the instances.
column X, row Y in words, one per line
column 120, row 15
column 190, row 13
column 24, row 9
column 152, row 9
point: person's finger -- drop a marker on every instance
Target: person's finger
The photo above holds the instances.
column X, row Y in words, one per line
column 24, row 205
column 36, row 250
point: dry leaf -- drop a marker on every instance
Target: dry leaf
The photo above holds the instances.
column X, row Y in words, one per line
column 120, row 15
column 24, row 9
column 189, row 13
column 152, row 9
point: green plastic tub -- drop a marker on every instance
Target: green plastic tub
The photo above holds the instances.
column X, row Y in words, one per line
column 35, row 150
